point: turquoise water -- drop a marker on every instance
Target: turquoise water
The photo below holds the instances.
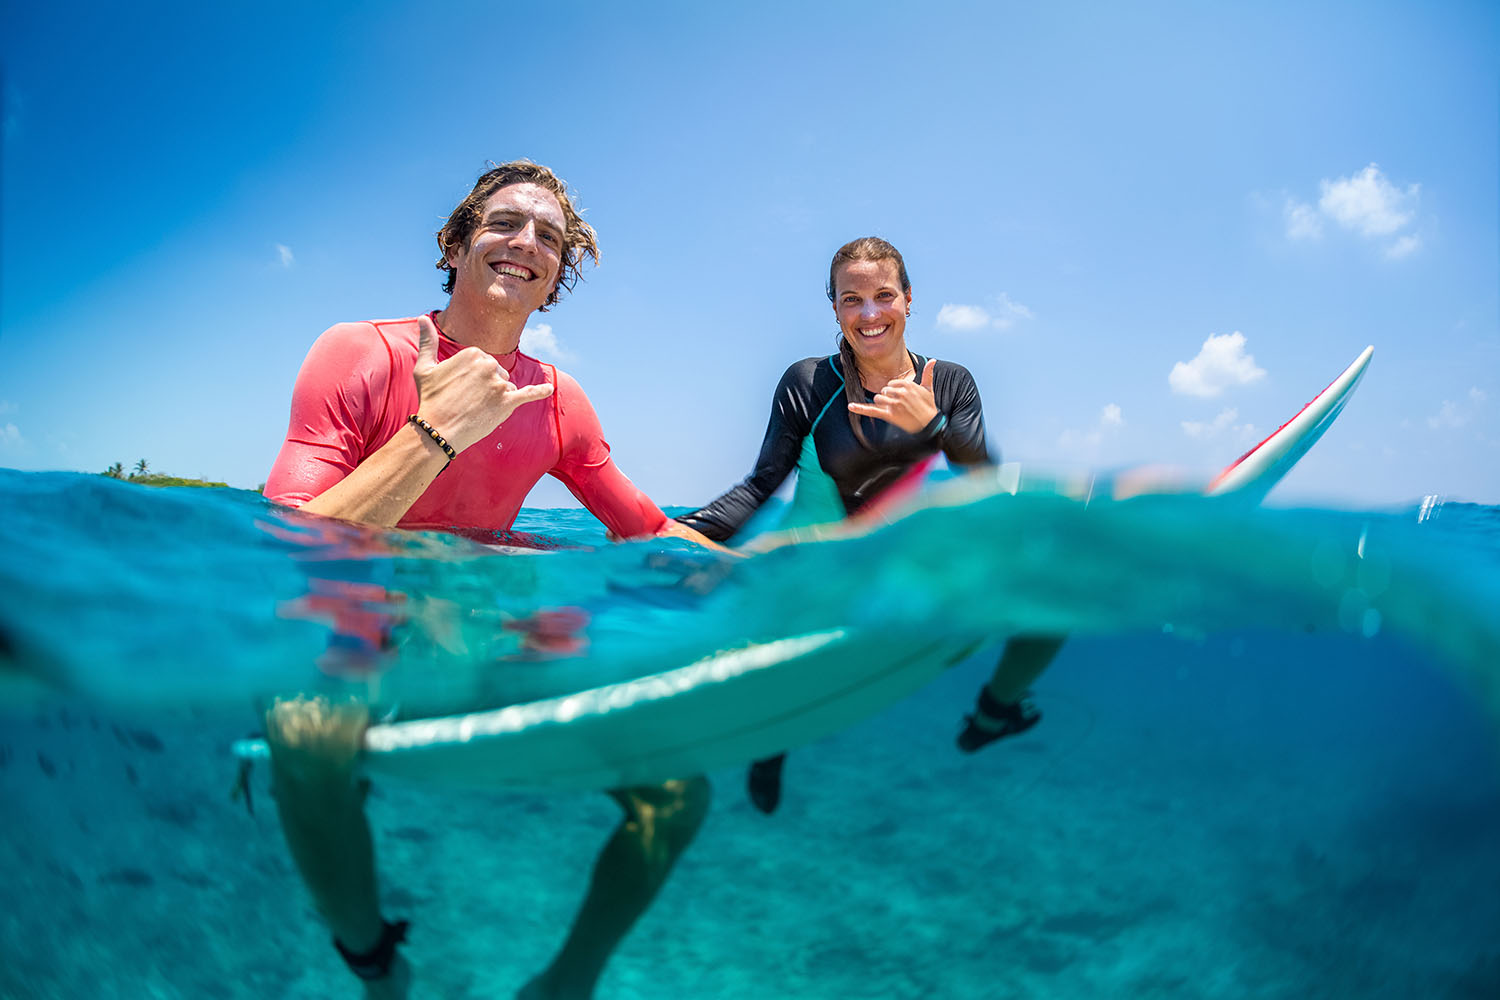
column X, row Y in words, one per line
column 1267, row 767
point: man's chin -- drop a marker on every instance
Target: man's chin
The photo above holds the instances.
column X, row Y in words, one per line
column 513, row 298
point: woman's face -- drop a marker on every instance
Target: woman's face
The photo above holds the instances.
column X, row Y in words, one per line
column 871, row 308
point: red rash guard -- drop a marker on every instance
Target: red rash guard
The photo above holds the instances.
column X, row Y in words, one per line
column 355, row 391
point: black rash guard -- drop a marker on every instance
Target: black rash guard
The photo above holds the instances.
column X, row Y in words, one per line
column 811, row 398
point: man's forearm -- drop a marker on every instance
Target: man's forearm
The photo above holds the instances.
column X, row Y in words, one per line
column 385, row 485
column 676, row 529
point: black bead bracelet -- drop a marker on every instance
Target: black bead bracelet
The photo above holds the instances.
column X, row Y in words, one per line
column 432, row 433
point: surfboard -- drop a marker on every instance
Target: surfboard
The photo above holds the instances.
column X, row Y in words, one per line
column 1254, row 473
column 757, row 698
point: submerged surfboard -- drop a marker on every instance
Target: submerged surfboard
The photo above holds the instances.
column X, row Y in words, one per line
column 753, row 700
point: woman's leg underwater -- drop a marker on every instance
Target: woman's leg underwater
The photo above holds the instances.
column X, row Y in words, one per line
column 1002, row 708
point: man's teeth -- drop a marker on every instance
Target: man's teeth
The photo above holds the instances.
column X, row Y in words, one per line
column 513, row 271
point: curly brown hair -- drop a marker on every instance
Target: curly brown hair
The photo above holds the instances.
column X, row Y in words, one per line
column 869, row 249
column 579, row 239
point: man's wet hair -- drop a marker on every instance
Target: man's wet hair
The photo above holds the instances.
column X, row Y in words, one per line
column 579, row 239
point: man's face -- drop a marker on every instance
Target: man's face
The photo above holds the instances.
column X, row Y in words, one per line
column 514, row 257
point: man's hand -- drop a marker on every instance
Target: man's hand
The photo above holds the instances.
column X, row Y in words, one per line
column 470, row 394
column 907, row 404
column 676, row 529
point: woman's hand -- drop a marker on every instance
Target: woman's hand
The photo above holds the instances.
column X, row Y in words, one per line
column 907, row 404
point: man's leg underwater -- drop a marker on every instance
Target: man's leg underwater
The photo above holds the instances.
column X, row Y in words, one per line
column 660, row 822
column 320, row 798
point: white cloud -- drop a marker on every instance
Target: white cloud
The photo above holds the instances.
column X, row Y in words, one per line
column 1450, row 415
column 11, row 439
column 1368, row 203
column 1453, row 415
column 1220, row 364
column 1089, row 439
column 963, row 318
column 1302, row 222
column 284, row 255
column 966, row 319
column 1365, row 203
column 540, row 342
column 1009, row 313
column 1217, row 426
column 1404, row 246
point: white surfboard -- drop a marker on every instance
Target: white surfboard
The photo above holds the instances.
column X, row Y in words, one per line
column 1262, row 467
column 743, row 703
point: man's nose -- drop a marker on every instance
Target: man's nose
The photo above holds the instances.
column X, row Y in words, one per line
column 525, row 236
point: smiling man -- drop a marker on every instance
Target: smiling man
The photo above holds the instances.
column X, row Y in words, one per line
column 379, row 411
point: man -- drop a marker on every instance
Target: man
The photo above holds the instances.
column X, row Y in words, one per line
column 439, row 422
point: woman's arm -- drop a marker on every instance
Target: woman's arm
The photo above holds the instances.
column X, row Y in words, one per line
column 963, row 439
column 779, row 451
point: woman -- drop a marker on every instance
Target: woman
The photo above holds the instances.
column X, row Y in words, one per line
column 852, row 425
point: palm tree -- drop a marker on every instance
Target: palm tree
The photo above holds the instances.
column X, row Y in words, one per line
column 116, row 471
column 141, row 468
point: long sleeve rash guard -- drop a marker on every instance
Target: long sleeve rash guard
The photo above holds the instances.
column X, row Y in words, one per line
column 810, row 399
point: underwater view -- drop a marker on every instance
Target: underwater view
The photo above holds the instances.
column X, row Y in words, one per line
column 1268, row 762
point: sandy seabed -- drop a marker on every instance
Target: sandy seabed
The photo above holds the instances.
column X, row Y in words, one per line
column 1248, row 817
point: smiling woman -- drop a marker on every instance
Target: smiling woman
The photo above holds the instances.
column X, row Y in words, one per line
column 896, row 419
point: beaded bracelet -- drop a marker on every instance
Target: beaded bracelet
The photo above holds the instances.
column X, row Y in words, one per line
column 432, row 433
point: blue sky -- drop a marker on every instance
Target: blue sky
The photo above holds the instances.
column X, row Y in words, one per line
column 1090, row 199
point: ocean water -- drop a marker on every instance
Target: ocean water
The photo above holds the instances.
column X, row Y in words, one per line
column 1268, row 767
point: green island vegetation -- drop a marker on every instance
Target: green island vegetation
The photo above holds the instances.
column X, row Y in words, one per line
column 142, row 474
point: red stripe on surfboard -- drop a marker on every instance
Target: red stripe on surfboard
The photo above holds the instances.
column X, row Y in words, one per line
column 1236, row 463
column 909, row 483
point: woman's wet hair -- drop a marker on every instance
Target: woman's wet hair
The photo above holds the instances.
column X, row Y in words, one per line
column 579, row 239
column 865, row 249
